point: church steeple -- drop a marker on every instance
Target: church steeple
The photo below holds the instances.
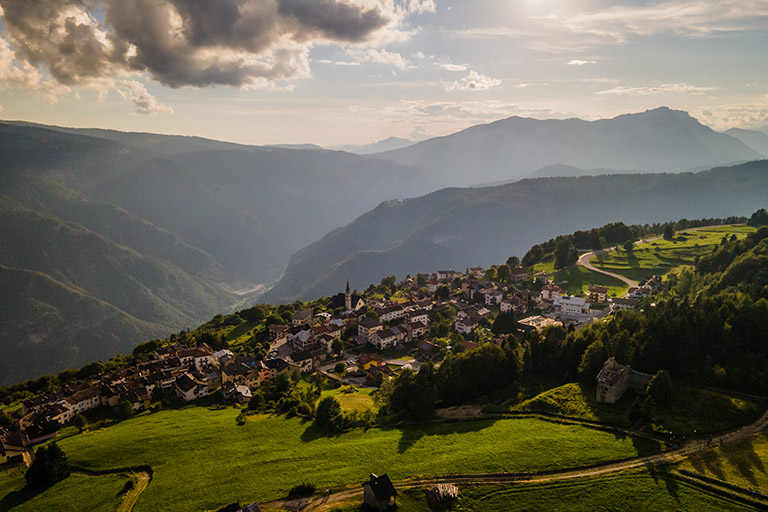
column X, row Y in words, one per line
column 348, row 298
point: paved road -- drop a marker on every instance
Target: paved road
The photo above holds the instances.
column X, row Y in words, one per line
column 584, row 262
column 354, row 491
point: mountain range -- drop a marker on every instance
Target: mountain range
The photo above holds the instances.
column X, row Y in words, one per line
column 458, row 228
column 659, row 140
column 110, row 238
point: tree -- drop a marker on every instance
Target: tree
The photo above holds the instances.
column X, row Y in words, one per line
column 50, row 466
column 504, row 323
column 565, row 253
column 660, row 388
column 759, row 218
column 328, row 413
column 337, row 346
column 490, row 274
column 340, row 368
column 513, row 261
column 669, row 232
column 79, row 421
column 629, row 246
column 442, row 292
column 125, row 409
column 503, row 274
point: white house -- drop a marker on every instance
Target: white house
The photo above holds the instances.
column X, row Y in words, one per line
column 493, row 297
column 568, row 305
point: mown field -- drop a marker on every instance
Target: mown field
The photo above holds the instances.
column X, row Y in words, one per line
column 743, row 463
column 358, row 400
column 690, row 411
column 642, row 491
column 74, row 494
column 203, row 460
column 660, row 256
column 578, row 280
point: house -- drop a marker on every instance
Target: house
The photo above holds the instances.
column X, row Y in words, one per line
column 277, row 332
column 236, row 394
column 138, row 397
column 85, row 400
column 367, row 327
column 302, row 317
column 541, row 277
column 197, row 358
column 302, row 339
column 519, row 275
column 620, row 303
column 325, row 316
column 513, row 303
column 13, row 446
column 419, row 315
column 379, row 493
column 373, row 372
column 188, row 388
column 222, row 356
column 365, row 361
column 493, row 297
column 416, row 330
column 615, row 379
column 571, row 306
column 384, row 338
column 433, row 285
column 270, row 368
column 428, row 350
column 242, row 374
column 466, row 321
column 448, row 275
column 550, row 292
column 469, row 345
column 537, row 322
column 636, row 292
column 305, row 361
column 390, row 312
column 598, row 294
column 326, row 343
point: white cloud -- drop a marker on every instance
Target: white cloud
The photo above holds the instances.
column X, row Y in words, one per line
column 577, row 62
column 474, row 81
column 142, row 102
column 379, row 57
column 675, row 88
column 751, row 115
column 451, row 67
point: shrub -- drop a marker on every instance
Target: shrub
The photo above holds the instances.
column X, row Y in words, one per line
column 304, row 489
column 50, row 466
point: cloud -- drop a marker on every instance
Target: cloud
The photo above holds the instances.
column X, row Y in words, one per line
column 452, row 67
column 196, row 43
column 676, row 88
column 752, row 115
column 142, row 102
column 378, row 56
column 418, row 133
column 474, row 81
column 577, row 62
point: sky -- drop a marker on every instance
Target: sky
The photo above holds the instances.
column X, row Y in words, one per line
column 333, row 72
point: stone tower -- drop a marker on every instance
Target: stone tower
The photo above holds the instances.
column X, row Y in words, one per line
column 347, row 298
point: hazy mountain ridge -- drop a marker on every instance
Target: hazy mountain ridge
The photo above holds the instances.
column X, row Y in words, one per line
column 660, row 140
column 388, row 144
column 457, row 228
column 161, row 232
column 756, row 140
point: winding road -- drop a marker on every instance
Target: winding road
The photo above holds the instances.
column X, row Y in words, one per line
column 354, row 491
column 584, row 262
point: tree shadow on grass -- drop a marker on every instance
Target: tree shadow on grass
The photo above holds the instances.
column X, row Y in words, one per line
column 411, row 434
column 313, row 432
column 661, row 473
column 18, row 498
column 742, row 456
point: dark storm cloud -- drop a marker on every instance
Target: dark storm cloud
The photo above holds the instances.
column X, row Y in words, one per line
column 182, row 42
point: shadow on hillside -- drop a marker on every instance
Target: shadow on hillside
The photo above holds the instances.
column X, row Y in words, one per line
column 708, row 463
column 742, row 456
column 18, row 498
column 313, row 432
column 412, row 433
column 670, row 482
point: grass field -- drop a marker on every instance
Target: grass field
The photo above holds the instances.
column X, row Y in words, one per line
column 660, row 256
column 76, row 493
column 579, row 279
column 359, row 400
column 195, row 450
column 743, row 463
column 692, row 409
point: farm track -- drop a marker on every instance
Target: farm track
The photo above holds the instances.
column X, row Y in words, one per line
column 132, row 496
column 353, row 491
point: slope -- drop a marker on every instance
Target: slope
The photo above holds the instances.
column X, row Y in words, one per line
column 659, row 140
column 456, row 228
column 753, row 139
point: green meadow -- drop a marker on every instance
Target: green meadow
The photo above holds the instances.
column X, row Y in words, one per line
column 691, row 409
column 641, row 491
column 577, row 281
column 743, row 462
column 73, row 494
column 660, row 256
column 203, row 460
column 351, row 398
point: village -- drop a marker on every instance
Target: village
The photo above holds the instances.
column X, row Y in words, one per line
column 364, row 342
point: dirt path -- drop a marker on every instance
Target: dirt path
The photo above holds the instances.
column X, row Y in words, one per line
column 132, row 496
column 354, row 491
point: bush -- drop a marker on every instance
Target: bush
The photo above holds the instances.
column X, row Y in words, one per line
column 340, row 368
column 304, row 489
column 232, row 507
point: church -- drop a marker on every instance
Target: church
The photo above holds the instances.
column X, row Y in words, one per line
column 347, row 300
